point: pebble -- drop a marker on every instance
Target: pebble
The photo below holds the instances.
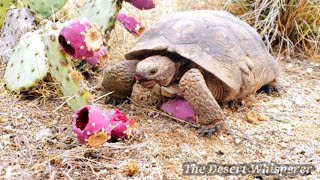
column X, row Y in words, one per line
column 237, row 141
column 309, row 70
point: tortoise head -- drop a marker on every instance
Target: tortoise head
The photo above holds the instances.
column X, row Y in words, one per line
column 155, row 70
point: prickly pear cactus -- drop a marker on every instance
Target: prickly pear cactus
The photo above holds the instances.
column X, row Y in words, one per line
column 130, row 24
column 46, row 7
column 17, row 23
column 101, row 12
column 61, row 69
column 4, row 5
column 27, row 64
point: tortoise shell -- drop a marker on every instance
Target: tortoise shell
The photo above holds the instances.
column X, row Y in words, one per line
column 215, row 40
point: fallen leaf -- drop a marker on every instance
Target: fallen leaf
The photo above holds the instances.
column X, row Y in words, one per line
column 132, row 169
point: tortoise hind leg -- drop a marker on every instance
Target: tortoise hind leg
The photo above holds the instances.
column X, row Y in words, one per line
column 273, row 86
column 196, row 92
column 119, row 80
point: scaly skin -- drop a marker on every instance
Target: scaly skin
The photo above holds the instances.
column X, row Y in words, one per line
column 119, row 79
column 196, row 92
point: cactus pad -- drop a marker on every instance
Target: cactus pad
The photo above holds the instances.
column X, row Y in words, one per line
column 27, row 64
column 101, row 12
column 17, row 23
column 62, row 70
column 46, row 7
column 4, row 5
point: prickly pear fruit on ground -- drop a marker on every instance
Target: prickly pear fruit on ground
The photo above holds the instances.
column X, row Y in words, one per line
column 130, row 24
column 27, row 64
column 121, row 126
column 62, row 70
column 80, row 39
column 4, row 6
column 101, row 12
column 46, row 7
column 142, row 4
column 179, row 108
column 90, row 125
column 17, row 23
column 99, row 58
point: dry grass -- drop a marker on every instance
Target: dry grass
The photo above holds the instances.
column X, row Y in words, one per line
column 289, row 26
column 36, row 140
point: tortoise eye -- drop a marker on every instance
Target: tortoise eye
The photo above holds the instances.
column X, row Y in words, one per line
column 153, row 71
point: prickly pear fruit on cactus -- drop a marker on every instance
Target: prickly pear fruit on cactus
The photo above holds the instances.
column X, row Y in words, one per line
column 62, row 70
column 46, row 7
column 17, row 23
column 101, row 12
column 179, row 108
column 80, row 39
column 99, row 58
column 142, row 4
column 91, row 126
column 27, row 64
column 130, row 24
column 4, row 5
column 121, row 126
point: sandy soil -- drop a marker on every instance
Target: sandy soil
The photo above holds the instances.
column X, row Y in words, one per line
column 36, row 140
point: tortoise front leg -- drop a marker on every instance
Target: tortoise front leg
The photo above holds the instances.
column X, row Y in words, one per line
column 207, row 110
column 119, row 79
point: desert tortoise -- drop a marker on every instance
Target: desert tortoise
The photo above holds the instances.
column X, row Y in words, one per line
column 203, row 56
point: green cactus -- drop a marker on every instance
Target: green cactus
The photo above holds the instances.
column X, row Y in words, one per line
column 17, row 23
column 101, row 12
column 61, row 69
column 46, row 7
column 27, row 64
column 4, row 5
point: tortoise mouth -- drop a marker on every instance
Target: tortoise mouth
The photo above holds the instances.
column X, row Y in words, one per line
column 147, row 83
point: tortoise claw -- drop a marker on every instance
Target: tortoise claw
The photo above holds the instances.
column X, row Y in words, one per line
column 115, row 101
column 210, row 130
column 270, row 88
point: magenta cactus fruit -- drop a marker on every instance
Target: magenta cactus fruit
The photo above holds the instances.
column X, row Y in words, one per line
column 130, row 24
column 91, row 126
column 142, row 4
column 121, row 126
column 179, row 108
column 80, row 39
column 99, row 58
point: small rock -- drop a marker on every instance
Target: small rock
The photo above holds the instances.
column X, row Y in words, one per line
column 254, row 117
column 43, row 134
column 237, row 141
column 309, row 70
column 317, row 122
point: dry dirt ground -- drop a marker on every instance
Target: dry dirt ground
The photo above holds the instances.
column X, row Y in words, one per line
column 36, row 139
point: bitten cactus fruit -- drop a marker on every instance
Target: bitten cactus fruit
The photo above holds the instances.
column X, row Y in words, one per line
column 130, row 24
column 46, row 7
column 142, row 4
column 121, row 126
column 80, row 39
column 179, row 108
column 99, row 58
column 90, row 125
